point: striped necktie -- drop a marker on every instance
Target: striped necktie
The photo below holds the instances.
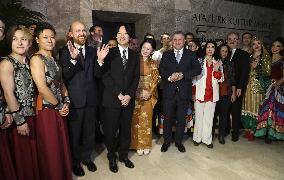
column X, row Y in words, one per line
column 124, row 59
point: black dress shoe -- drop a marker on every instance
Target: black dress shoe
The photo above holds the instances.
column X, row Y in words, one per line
column 180, row 147
column 127, row 162
column 165, row 147
column 113, row 166
column 235, row 137
column 196, row 143
column 221, row 139
column 210, row 146
column 78, row 170
column 91, row 166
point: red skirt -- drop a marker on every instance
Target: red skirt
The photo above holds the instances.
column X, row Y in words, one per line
column 24, row 152
column 53, row 146
column 7, row 170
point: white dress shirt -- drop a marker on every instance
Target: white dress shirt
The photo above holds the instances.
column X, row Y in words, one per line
column 180, row 52
column 121, row 51
column 176, row 51
column 233, row 52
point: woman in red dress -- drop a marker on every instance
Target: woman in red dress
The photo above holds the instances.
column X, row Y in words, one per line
column 52, row 107
column 19, row 93
column 7, row 170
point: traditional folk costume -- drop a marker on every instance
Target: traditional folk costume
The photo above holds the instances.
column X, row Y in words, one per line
column 52, row 137
column 270, row 120
column 257, row 84
column 23, row 148
column 141, row 129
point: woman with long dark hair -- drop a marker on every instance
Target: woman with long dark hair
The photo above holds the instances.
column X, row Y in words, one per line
column 227, row 92
column 207, row 94
column 270, row 122
column 145, row 100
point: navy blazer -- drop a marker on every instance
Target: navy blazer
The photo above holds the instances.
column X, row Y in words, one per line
column 188, row 65
column 80, row 80
column 117, row 80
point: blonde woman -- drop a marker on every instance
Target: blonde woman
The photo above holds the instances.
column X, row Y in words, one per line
column 259, row 72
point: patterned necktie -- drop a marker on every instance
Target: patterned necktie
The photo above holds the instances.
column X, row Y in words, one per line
column 124, row 60
column 81, row 56
column 178, row 56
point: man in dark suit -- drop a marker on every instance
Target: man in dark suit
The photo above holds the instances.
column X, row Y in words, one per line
column 177, row 68
column 241, row 62
column 121, row 80
column 80, row 64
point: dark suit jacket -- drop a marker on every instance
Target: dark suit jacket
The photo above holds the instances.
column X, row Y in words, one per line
column 188, row 65
column 242, row 68
column 80, row 81
column 116, row 80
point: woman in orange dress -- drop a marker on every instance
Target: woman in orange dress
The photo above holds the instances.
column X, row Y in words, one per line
column 146, row 98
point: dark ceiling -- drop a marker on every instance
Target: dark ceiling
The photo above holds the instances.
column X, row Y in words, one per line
column 274, row 4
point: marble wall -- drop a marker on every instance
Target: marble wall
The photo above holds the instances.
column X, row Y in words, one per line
column 206, row 19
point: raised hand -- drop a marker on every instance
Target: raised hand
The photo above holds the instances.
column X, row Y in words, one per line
column 72, row 50
column 102, row 52
column 217, row 65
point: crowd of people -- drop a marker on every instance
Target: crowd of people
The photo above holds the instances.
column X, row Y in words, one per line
column 53, row 108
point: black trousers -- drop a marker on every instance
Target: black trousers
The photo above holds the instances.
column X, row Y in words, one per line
column 222, row 111
column 117, row 130
column 100, row 111
column 174, row 109
column 236, row 111
column 81, row 126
